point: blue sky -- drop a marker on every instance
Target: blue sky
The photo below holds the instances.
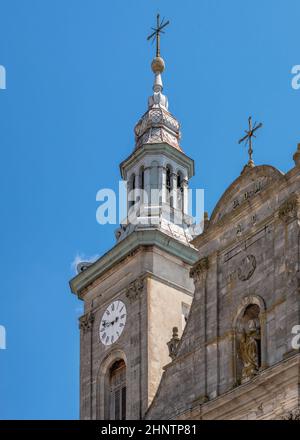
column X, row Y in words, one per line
column 78, row 78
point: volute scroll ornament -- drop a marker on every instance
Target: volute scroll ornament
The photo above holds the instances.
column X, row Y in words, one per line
column 199, row 269
column 134, row 289
column 86, row 322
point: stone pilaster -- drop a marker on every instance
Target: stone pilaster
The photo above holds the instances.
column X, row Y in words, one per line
column 199, row 274
column 86, row 365
column 289, row 216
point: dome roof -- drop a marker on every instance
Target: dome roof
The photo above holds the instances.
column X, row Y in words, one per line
column 157, row 125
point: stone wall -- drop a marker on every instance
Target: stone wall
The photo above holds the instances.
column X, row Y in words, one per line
column 248, row 256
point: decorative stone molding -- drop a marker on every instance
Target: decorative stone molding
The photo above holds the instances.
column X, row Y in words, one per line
column 157, row 125
column 173, row 343
column 239, row 230
column 199, row 268
column 86, row 321
column 288, row 210
column 292, row 415
column 134, row 289
column 246, row 268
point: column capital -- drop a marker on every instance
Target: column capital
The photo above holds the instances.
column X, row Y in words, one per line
column 199, row 268
column 86, row 321
column 134, row 289
column 289, row 209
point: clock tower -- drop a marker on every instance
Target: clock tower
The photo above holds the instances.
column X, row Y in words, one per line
column 136, row 293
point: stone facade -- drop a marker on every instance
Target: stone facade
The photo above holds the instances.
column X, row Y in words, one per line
column 248, row 266
column 153, row 285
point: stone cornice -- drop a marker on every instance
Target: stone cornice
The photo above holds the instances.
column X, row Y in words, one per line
column 149, row 237
column 258, row 383
column 107, row 299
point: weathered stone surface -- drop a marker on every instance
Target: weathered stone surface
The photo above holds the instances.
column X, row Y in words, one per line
column 248, row 257
column 153, row 285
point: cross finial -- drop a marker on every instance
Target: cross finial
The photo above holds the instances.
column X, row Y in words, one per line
column 160, row 25
column 248, row 138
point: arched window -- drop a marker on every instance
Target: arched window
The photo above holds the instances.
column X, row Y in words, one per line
column 117, row 391
column 179, row 190
column 131, row 191
column 154, row 192
column 142, row 178
column 140, row 197
column 168, row 179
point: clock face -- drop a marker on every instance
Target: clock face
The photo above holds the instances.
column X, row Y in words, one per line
column 112, row 323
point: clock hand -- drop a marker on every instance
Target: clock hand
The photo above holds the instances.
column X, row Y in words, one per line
column 115, row 320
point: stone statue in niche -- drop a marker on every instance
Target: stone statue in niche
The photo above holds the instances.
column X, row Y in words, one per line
column 173, row 343
column 249, row 349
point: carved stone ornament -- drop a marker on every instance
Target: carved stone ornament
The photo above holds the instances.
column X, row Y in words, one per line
column 292, row 415
column 296, row 156
column 288, row 210
column 246, row 268
column 86, row 321
column 199, row 268
column 173, row 343
column 134, row 289
column 249, row 349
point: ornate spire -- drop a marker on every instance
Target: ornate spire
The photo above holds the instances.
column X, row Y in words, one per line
column 157, row 125
column 158, row 66
column 158, row 99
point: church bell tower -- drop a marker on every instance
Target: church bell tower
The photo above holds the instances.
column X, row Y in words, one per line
column 136, row 293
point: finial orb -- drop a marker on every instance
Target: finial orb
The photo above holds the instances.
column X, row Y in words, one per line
column 158, row 65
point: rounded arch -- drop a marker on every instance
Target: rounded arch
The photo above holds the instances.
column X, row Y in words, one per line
column 169, row 184
column 131, row 190
column 102, row 398
column 247, row 301
column 251, row 181
column 142, row 177
column 169, row 172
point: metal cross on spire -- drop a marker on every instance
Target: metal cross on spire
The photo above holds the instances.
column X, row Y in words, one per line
column 160, row 25
column 248, row 138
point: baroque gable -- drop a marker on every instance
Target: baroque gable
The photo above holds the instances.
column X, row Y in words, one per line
column 250, row 184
